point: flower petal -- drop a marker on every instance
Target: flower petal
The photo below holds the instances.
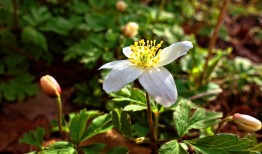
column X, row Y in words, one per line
column 174, row 51
column 120, row 76
column 115, row 64
column 127, row 51
column 159, row 83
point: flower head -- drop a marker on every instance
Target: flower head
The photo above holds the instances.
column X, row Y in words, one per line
column 130, row 29
column 246, row 122
column 145, row 62
column 121, row 5
column 50, row 86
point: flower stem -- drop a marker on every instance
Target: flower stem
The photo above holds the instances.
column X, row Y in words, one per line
column 156, row 121
column 161, row 7
column 223, row 122
column 153, row 137
column 212, row 42
column 59, row 114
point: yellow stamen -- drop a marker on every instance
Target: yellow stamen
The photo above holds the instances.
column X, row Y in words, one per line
column 145, row 54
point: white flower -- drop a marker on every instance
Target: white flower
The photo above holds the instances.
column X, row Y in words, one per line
column 145, row 62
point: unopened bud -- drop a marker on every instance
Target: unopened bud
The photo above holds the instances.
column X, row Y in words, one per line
column 246, row 122
column 121, row 5
column 50, row 86
column 130, row 29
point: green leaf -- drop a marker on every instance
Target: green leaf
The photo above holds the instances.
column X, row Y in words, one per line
column 221, row 144
column 2, row 69
column 37, row 16
column 139, row 129
column 134, row 107
column 78, row 124
column 99, row 125
column 85, row 52
column 19, row 87
column 122, row 123
column 131, row 95
column 8, row 91
column 34, row 138
column 6, row 10
column 172, row 147
column 58, row 25
column 93, row 148
column 62, row 147
column 17, row 83
column 80, row 7
column 256, row 148
column 31, row 35
column 215, row 60
column 185, row 119
column 90, row 57
column 98, row 21
column 118, row 150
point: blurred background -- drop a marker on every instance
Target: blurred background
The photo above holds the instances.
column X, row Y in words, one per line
column 71, row 39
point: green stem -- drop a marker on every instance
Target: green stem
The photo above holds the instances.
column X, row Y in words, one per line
column 59, row 114
column 161, row 7
column 156, row 121
column 203, row 77
column 225, row 120
column 153, row 137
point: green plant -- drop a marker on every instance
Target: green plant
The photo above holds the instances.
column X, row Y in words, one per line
column 15, row 82
column 78, row 131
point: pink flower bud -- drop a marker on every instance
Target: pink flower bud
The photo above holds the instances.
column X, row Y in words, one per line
column 50, row 86
column 130, row 29
column 246, row 122
column 121, row 5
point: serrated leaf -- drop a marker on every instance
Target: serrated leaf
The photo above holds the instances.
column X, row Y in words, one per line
column 20, row 83
column 77, row 125
column 80, row 7
column 116, row 114
column 19, row 87
column 8, row 92
column 97, row 21
column 31, row 35
column 58, row 25
column 90, row 58
column 118, row 150
column 172, row 147
column 221, row 144
column 85, row 52
column 133, row 95
column 35, row 137
column 98, row 125
column 37, row 16
column 256, row 148
column 93, row 148
column 184, row 119
column 134, row 108
column 62, row 147
column 122, row 123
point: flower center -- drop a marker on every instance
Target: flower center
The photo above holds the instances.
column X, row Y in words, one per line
column 145, row 54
